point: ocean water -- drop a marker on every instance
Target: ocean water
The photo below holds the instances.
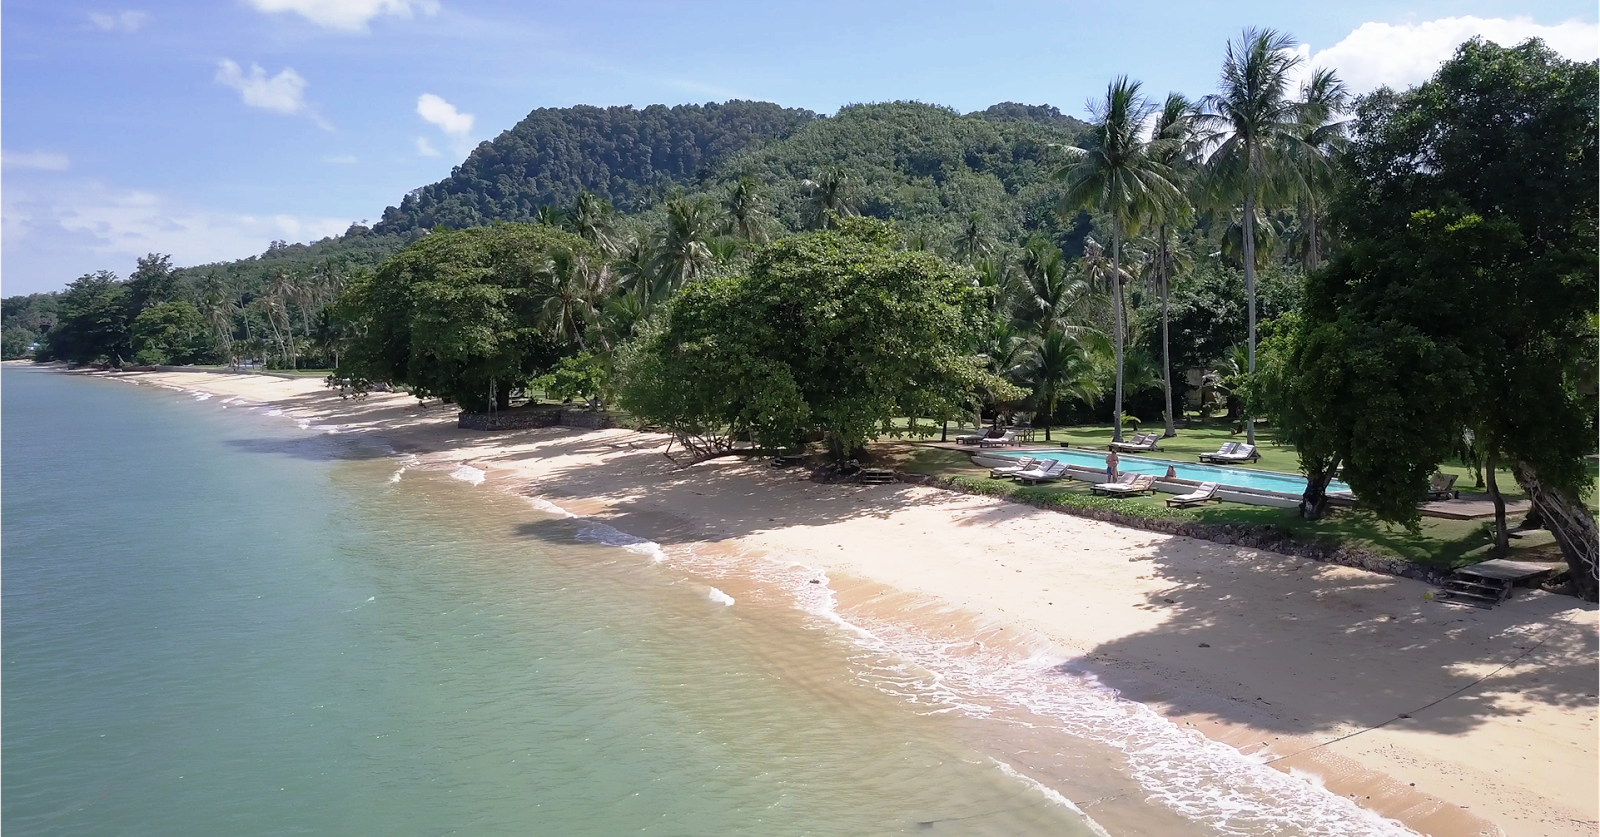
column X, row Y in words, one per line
column 219, row 623
column 221, row 620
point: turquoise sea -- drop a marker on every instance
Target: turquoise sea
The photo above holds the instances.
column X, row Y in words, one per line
column 217, row 622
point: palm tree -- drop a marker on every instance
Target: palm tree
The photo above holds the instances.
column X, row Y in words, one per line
column 1174, row 140
column 1059, row 365
column 1252, row 124
column 636, row 271
column 1051, row 296
column 746, row 207
column 1323, row 100
column 217, row 308
column 569, row 293
column 550, row 216
column 1120, row 176
column 683, row 252
column 832, row 194
column 973, row 242
column 592, row 219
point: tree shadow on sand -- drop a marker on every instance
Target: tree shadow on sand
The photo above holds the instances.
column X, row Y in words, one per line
column 1392, row 652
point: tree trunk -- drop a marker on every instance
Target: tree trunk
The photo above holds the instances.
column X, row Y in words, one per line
column 1502, row 537
column 1573, row 525
column 1314, row 503
column 502, row 398
column 1313, row 248
column 1250, row 294
column 1116, row 283
column 944, row 431
column 1166, row 350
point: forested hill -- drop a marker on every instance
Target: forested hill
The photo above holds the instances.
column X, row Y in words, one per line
column 935, row 170
column 629, row 156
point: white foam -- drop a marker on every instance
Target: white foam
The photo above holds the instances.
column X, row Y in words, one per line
column 1204, row 780
column 600, row 533
column 1053, row 795
column 202, row 396
column 548, row 507
column 720, row 597
column 274, row 412
column 410, row 461
column 469, row 474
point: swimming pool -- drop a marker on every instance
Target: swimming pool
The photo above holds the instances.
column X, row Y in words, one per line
column 1196, row 472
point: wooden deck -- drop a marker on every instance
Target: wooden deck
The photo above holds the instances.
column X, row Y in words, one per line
column 1504, row 569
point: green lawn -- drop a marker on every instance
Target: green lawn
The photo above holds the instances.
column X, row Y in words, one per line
column 1439, row 543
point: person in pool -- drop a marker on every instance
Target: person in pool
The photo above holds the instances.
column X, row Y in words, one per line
column 1112, row 461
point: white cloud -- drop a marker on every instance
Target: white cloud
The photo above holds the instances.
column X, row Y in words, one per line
column 45, row 160
column 129, row 21
column 426, row 148
column 282, row 93
column 348, row 15
column 54, row 235
column 439, row 112
column 1402, row 55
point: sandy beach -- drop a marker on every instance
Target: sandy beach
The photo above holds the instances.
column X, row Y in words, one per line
column 1451, row 720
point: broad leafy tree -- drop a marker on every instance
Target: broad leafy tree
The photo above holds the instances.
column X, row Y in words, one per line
column 468, row 315
column 836, row 331
column 93, row 325
column 170, row 332
column 1465, row 294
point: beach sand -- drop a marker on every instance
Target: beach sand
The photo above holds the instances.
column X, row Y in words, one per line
column 1348, row 676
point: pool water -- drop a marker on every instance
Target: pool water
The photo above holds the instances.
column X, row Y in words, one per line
column 1236, row 477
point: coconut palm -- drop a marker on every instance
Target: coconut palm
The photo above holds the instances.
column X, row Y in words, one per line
column 216, row 306
column 1324, row 99
column 683, row 252
column 1175, row 147
column 570, row 292
column 1052, row 296
column 831, row 194
column 636, row 271
column 1121, row 176
column 1058, row 365
column 593, row 220
column 1252, row 124
column 746, row 208
column 973, row 242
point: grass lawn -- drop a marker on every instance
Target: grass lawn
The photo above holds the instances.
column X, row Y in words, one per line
column 1440, row 543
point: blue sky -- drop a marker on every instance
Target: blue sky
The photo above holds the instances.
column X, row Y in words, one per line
column 208, row 130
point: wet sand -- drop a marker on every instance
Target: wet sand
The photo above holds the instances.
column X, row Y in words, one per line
column 1328, row 672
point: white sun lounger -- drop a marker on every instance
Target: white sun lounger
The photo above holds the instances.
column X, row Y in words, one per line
column 1052, row 470
column 1207, row 491
column 1023, row 464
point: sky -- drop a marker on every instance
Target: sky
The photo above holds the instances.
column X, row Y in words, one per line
column 208, row 130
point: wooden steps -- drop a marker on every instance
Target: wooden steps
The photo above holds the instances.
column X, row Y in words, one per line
column 875, row 476
column 1489, row 583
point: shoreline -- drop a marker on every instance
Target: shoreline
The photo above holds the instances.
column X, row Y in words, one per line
column 1218, row 639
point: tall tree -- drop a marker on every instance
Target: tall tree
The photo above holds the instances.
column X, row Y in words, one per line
column 830, row 196
column 152, row 282
column 1251, row 124
column 1175, row 147
column 1464, row 294
column 973, row 242
column 684, row 251
column 1059, row 365
column 593, row 220
column 746, row 208
column 1324, row 101
column 1120, row 176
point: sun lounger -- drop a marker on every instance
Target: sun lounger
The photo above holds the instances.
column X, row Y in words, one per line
column 1050, row 471
column 1022, row 464
column 1442, row 487
column 1141, row 443
column 969, row 438
column 1207, row 491
column 1007, row 438
column 1232, row 452
column 1141, row 484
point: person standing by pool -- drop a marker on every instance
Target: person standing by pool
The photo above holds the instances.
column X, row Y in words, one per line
column 1112, row 461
